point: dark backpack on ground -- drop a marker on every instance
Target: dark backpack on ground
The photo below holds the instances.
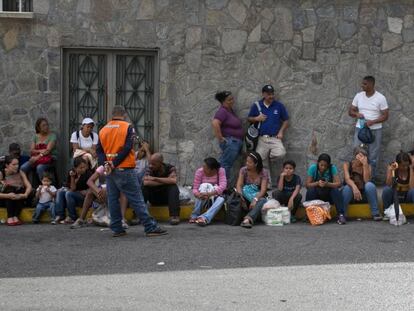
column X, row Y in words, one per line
column 234, row 209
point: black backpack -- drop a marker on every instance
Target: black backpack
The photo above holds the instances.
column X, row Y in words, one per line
column 234, row 209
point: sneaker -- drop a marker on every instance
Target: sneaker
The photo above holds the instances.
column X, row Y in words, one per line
column 124, row 224
column 156, row 232
column 35, row 221
column 119, row 234
column 341, row 220
column 174, row 220
column 56, row 220
column 78, row 224
column 67, row 221
column 385, row 218
column 377, row 217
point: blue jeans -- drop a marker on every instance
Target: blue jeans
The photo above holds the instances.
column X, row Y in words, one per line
column 388, row 197
column 40, row 207
column 230, row 150
column 40, row 169
column 126, row 180
column 373, row 149
column 370, row 194
column 255, row 213
column 333, row 195
column 68, row 200
column 211, row 212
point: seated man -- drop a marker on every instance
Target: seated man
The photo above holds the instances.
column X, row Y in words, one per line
column 160, row 186
column 15, row 151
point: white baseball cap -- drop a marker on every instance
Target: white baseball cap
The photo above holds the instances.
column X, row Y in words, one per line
column 87, row 121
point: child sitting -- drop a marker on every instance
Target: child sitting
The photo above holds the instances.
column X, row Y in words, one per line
column 288, row 188
column 46, row 194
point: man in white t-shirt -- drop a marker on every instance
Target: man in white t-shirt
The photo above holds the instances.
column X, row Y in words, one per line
column 84, row 142
column 370, row 108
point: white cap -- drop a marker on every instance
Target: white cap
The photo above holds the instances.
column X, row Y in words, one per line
column 87, row 121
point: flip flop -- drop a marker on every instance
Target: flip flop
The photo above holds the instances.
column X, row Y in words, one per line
column 246, row 225
column 201, row 222
column 192, row 221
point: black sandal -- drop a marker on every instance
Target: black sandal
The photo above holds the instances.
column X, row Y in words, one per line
column 247, row 225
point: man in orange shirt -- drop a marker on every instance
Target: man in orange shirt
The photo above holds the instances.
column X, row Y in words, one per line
column 115, row 152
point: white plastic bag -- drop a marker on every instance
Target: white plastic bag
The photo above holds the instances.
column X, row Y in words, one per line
column 186, row 195
column 390, row 212
column 100, row 215
column 270, row 204
column 320, row 203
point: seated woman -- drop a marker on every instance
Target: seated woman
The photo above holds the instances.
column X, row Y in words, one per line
column 252, row 185
column 323, row 183
column 70, row 198
column 209, row 183
column 357, row 175
column 15, row 188
column 403, row 170
column 142, row 156
column 84, row 142
column 42, row 150
column 97, row 192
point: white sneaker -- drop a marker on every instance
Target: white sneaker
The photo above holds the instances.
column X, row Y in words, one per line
column 124, row 224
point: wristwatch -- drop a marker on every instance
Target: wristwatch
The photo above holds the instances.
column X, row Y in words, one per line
column 256, row 199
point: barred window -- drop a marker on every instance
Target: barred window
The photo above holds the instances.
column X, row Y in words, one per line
column 16, row 6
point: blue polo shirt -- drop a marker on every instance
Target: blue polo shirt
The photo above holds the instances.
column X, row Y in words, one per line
column 276, row 114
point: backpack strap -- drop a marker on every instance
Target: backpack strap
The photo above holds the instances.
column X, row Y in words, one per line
column 260, row 111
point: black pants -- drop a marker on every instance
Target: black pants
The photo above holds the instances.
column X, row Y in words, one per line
column 14, row 207
column 165, row 194
column 283, row 198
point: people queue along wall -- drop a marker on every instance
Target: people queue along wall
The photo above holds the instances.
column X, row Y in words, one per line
column 157, row 180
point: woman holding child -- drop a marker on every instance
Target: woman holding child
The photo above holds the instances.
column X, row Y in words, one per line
column 252, row 185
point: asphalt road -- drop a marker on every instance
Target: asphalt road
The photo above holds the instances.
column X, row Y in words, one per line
column 331, row 267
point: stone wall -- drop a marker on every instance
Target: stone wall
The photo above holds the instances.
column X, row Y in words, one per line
column 314, row 52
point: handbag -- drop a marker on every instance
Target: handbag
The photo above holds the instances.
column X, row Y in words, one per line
column 365, row 135
column 252, row 136
column 233, row 209
column 45, row 159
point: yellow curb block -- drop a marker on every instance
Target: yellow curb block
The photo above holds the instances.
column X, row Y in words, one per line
column 161, row 213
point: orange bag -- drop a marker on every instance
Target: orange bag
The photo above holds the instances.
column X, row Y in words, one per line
column 317, row 215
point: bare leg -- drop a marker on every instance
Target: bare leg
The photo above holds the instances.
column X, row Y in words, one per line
column 87, row 203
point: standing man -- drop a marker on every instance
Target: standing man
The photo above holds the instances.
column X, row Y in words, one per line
column 273, row 121
column 160, row 186
column 116, row 153
column 370, row 108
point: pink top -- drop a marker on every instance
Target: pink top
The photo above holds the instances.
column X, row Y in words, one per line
column 200, row 178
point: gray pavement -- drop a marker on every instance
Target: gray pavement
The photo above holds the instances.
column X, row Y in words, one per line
column 331, row 267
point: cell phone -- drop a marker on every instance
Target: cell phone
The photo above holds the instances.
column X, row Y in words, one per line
column 323, row 179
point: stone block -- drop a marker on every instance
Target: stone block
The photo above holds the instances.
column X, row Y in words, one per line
column 326, row 34
column 346, row 30
column 237, row 10
column 391, row 41
column 351, row 13
column 311, row 17
column 409, row 21
column 308, row 51
column 146, row 10
column 193, row 37
column 326, row 12
column 282, row 28
column 308, row 34
column 255, row 34
column 396, row 9
column 408, row 35
column 216, row 4
column 367, row 15
column 299, row 19
column 233, row 41
column 10, row 39
column 395, row 24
